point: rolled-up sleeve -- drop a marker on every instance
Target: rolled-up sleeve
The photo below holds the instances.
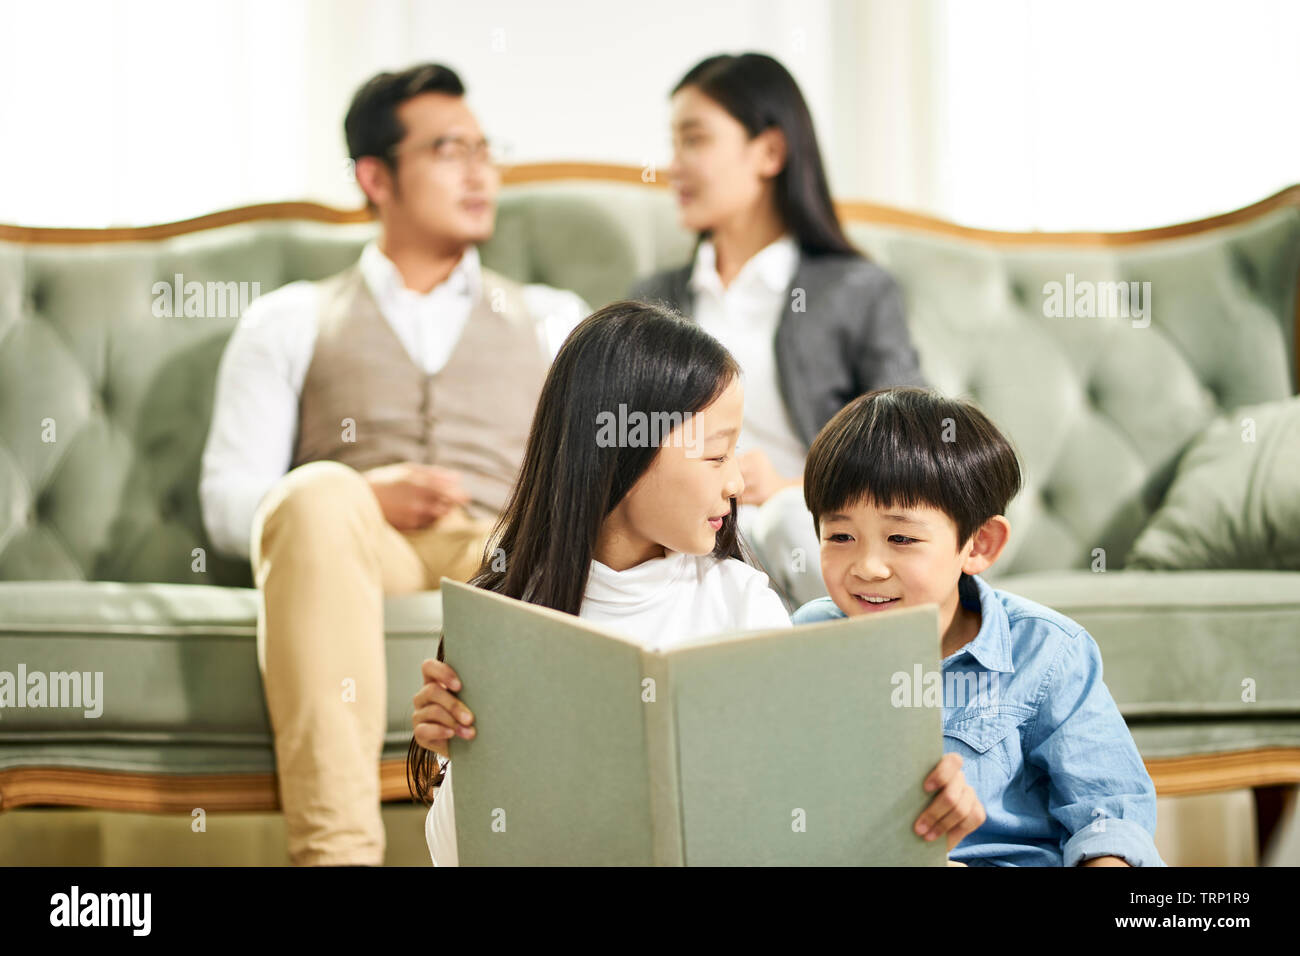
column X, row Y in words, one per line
column 1099, row 789
column 1122, row 838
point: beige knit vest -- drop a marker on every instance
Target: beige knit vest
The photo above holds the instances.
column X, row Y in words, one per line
column 365, row 402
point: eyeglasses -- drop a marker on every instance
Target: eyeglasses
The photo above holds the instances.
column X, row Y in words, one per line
column 452, row 149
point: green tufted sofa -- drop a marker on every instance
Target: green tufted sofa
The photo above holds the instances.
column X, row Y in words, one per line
column 104, row 405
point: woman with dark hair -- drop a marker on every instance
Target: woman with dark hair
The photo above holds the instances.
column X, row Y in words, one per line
column 812, row 322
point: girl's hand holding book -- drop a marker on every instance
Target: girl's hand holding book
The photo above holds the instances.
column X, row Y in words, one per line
column 439, row 714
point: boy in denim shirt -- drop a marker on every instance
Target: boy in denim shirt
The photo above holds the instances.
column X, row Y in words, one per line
column 908, row 490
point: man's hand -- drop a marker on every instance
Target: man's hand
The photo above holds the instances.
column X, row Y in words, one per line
column 955, row 809
column 1106, row 861
column 762, row 480
column 438, row 714
column 413, row 495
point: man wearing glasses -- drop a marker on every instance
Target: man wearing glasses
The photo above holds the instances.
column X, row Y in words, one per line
column 366, row 432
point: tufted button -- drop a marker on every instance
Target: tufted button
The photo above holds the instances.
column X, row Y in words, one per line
column 1048, row 498
column 1017, row 292
column 36, row 298
column 1246, row 269
column 1093, row 391
column 171, row 504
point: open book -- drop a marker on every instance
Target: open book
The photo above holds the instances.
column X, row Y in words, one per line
column 779, row 747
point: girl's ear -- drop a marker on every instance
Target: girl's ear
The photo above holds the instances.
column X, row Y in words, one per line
column 986, row 544
column 772, row 152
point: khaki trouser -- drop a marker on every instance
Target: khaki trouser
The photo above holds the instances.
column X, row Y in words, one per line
column 323, row 558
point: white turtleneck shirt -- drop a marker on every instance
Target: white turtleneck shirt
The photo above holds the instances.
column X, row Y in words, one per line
column 659, row 604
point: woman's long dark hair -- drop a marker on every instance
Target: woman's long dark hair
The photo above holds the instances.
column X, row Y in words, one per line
column 761, row 94
column 643, row 357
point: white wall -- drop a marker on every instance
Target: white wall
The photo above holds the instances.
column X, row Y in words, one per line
column 1003, row 113
column 1115, row 114
column 581, row 79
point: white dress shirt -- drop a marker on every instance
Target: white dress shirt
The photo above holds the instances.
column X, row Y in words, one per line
column 744, row 317
column 259, row 381
column 661, row 603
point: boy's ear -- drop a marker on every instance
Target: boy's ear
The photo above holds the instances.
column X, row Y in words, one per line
column 986, row 544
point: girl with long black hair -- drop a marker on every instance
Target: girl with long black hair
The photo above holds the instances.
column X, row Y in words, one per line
column 636, row 533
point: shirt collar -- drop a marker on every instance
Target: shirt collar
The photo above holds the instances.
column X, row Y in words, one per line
column 385, row 281
column 992, row 645
column 638, row 584
column 774, row 266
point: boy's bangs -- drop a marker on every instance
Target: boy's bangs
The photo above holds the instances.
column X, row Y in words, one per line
column 885, row 473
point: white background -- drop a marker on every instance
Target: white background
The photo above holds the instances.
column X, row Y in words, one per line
column 1001, row 113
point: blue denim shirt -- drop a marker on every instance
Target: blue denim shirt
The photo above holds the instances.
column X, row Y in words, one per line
column 1042, row 742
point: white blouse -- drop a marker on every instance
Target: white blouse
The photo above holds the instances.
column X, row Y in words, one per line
column 659, row 603
column 744, row 317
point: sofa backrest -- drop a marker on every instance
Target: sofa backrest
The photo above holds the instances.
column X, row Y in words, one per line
column 105, row 402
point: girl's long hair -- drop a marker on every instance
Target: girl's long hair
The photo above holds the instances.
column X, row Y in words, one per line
column 761, row 94
column 642, row 357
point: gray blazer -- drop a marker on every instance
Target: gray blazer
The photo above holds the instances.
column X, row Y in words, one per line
column 850, row 338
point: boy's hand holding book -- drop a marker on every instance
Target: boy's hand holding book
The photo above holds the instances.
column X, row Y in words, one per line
column 955, row 809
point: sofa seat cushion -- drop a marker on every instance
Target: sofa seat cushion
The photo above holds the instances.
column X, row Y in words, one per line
column 1163, row 739
column 180, row 686
column 1186, row 644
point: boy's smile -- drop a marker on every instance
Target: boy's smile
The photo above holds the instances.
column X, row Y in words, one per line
column 873, row 602
column 876, row 558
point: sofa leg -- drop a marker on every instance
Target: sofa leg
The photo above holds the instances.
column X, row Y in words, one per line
column 1278, row 821
column 1207, row 829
